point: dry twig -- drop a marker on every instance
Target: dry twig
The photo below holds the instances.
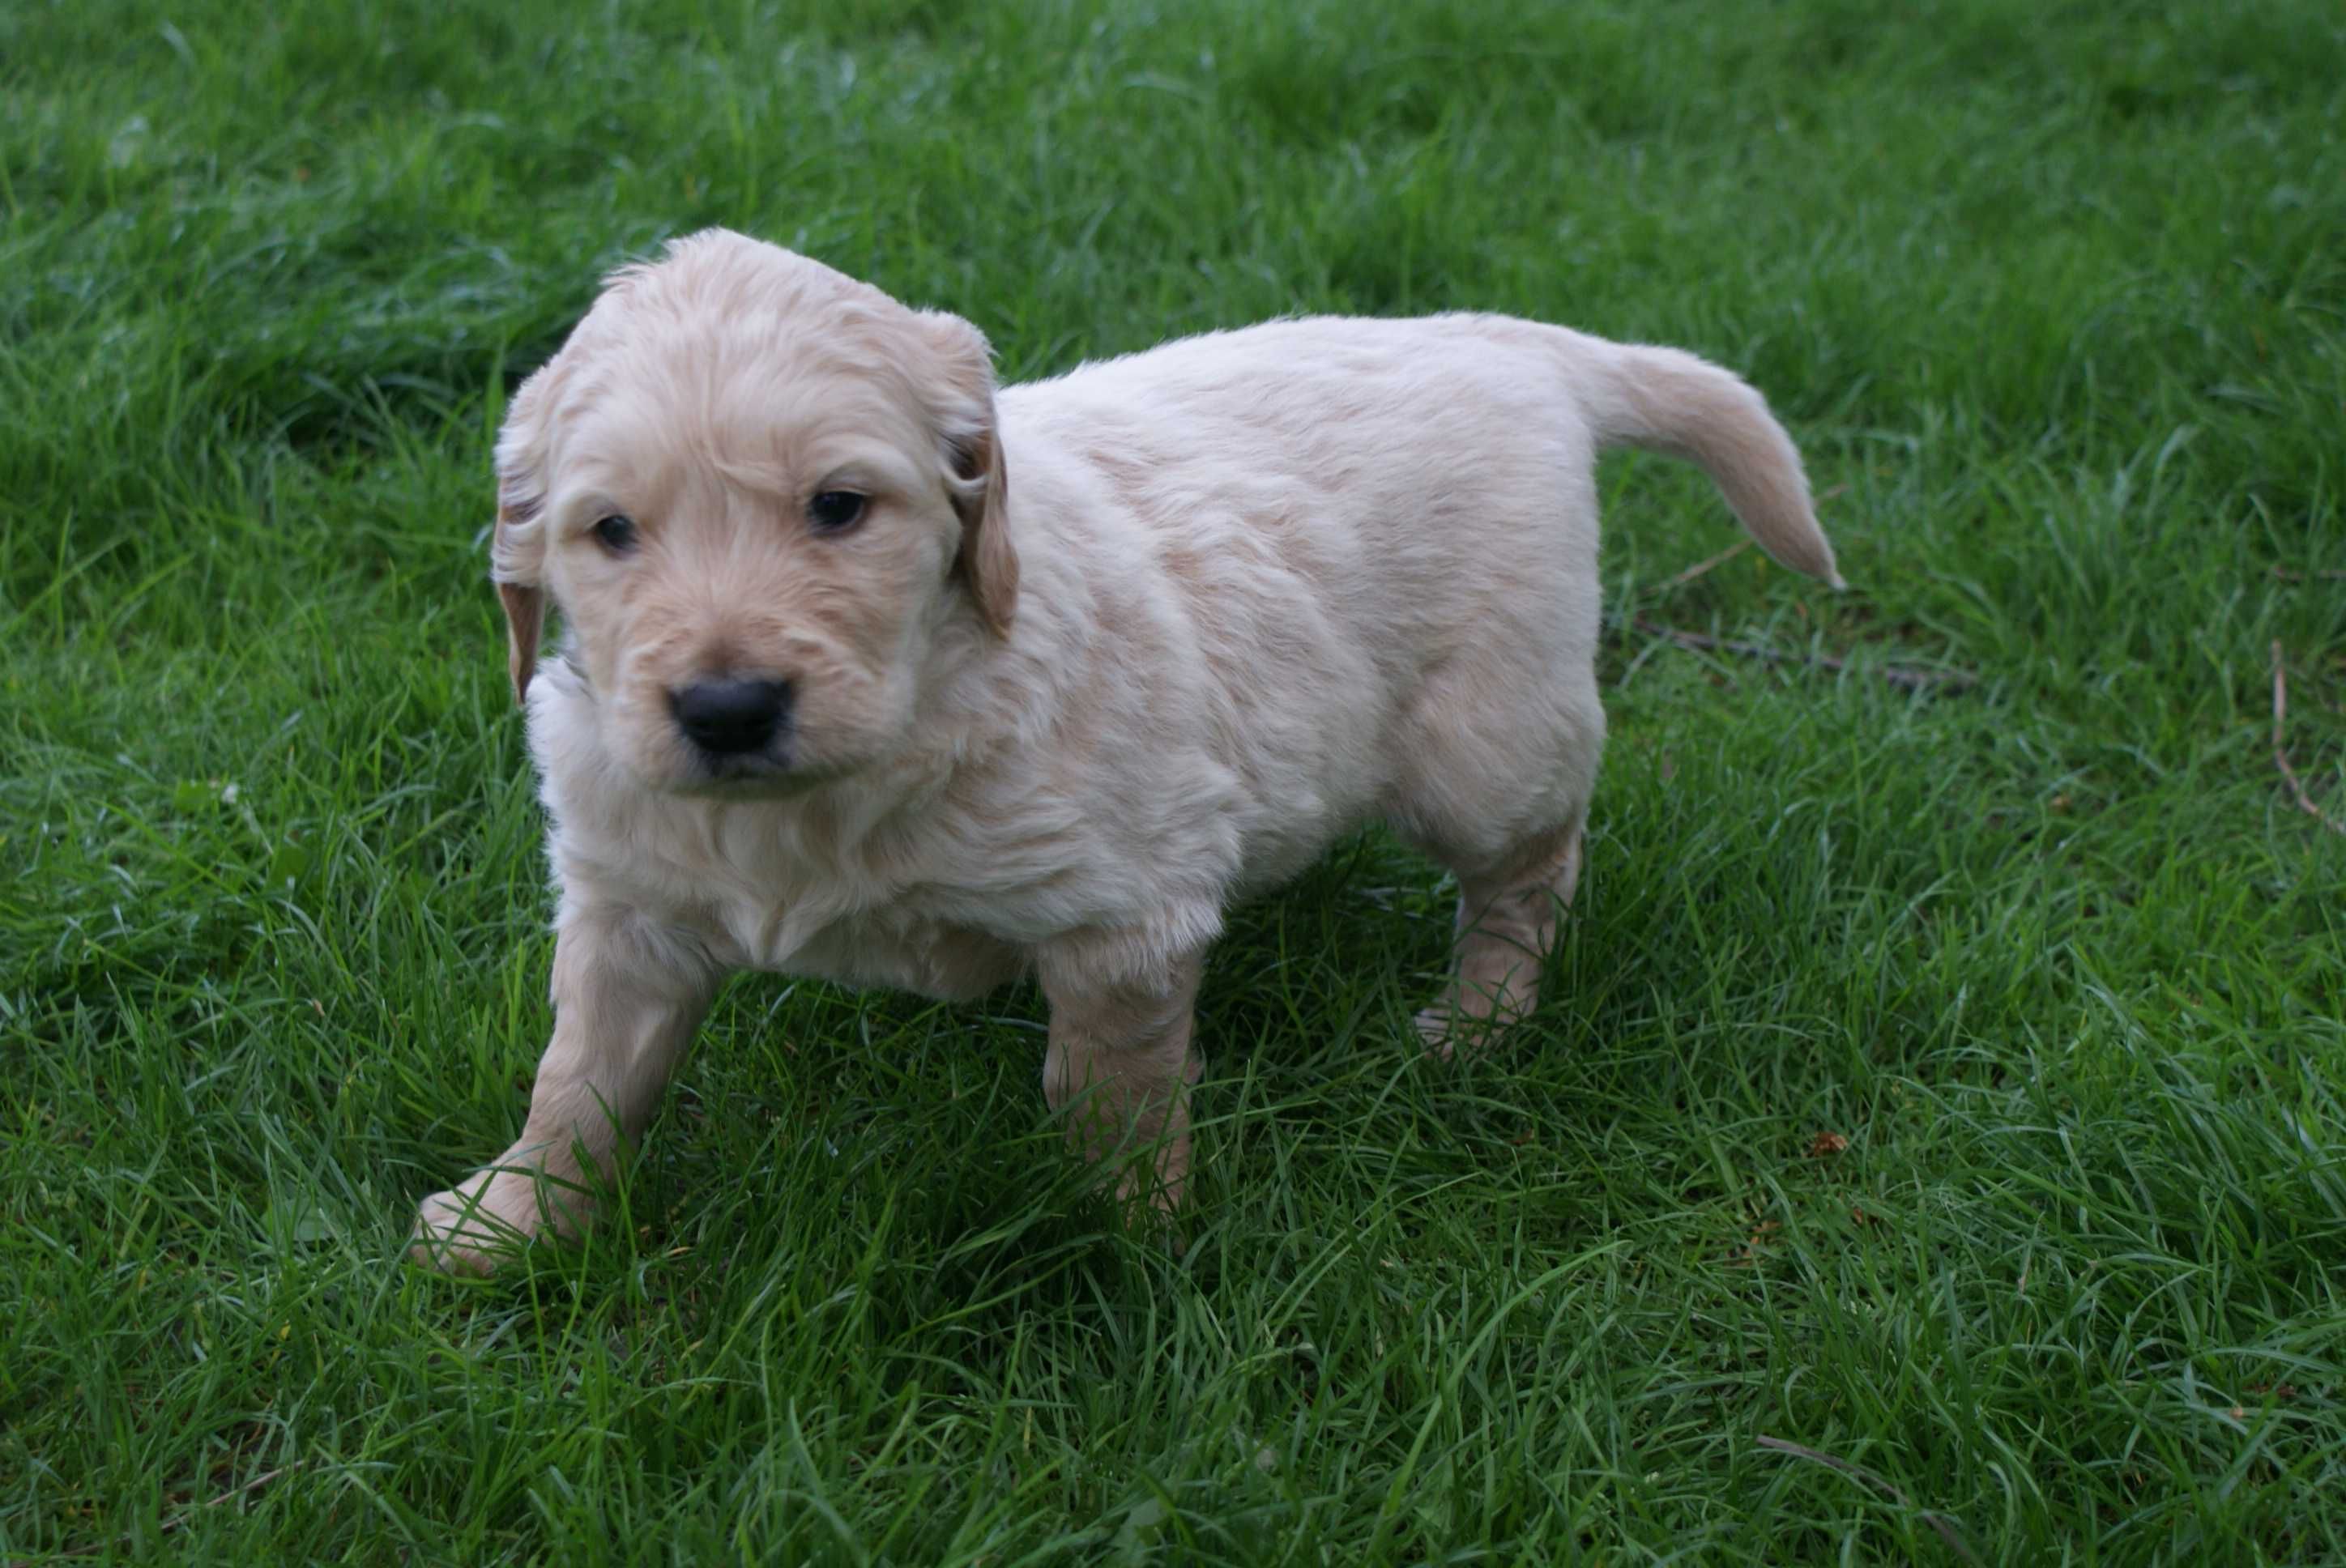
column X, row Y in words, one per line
column 2281, row 754
column 233, row 1493
column 1911, row 679
column 1938, row 1521
column 1699, row 569
column 2288, row 574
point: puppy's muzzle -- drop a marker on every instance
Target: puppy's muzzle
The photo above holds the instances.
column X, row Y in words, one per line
column 733, row 721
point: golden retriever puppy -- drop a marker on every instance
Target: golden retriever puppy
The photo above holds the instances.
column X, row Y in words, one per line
column 876, row 673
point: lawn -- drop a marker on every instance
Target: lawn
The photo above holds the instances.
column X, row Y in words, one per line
column 1932, row 1145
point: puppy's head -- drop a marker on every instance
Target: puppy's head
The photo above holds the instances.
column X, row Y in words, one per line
column 757, row 490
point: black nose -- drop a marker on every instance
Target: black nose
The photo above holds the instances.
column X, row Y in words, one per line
column 730, row 717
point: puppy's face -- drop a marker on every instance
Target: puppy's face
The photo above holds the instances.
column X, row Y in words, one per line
column 758, row 492
column 752, row 548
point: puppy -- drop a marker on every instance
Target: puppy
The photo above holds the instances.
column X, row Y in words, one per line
column 877, row 674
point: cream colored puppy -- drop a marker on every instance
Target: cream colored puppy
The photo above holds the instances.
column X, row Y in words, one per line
column 878, row 674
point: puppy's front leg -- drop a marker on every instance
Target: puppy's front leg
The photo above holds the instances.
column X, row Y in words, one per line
column 626, row 998
column 1120, row 1063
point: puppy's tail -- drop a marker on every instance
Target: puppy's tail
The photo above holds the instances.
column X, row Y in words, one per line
column 1671, row 402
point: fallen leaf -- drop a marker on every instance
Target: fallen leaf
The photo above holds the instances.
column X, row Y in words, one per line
column 1751, row 1243
column 1827, row 1143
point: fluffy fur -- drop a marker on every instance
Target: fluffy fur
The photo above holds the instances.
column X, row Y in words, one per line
column 1105, row 654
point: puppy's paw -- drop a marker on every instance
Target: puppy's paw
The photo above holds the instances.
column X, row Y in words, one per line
column 1469, row 1020
column 488, row 1221
column 1149, row 1191
column 1148, row 1207
column 1434, row 1030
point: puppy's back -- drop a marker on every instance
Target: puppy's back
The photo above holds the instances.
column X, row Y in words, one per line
column 1410, row 419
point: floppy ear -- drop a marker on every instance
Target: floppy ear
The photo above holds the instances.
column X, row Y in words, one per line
column 978, row 476
column 525, row 627
column 988, row 564
column 517, row 548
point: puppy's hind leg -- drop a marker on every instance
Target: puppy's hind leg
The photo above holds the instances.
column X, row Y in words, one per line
column 1503, row 761
column 1509, row 911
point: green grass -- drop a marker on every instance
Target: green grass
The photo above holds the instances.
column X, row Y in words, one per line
column 2053, row 298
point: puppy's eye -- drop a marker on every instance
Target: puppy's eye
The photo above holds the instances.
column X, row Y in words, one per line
column 835, row 511
column 616, row 535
